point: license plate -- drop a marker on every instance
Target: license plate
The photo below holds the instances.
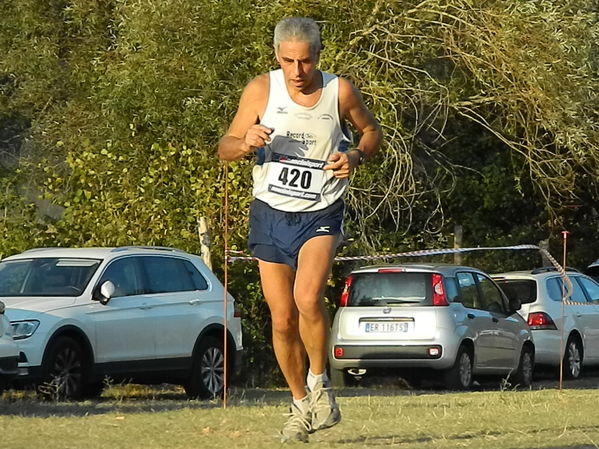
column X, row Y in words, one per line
column 387, row 327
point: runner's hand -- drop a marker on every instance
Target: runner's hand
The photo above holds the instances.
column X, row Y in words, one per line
column 256, row 137
column 341, row 165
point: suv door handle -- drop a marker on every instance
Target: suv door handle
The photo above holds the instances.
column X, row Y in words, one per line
column 194, row 302
column 471, row 316
column 145, row 307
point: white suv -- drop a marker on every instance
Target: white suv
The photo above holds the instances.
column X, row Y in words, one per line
column 148, row 314
column 568, row 331
column 9, row 352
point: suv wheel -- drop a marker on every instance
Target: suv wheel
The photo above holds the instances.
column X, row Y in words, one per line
column 208, row 370
column 525, row 371
column 459, row 376
column 572, row 359
column 63, row 371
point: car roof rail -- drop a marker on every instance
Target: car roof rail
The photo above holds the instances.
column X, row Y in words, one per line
column 548, row 269
column 42, row 248
column 159, row 248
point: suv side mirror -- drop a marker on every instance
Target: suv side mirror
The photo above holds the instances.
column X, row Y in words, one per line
column 106, row 291
column 2, row 308
column 514, row 305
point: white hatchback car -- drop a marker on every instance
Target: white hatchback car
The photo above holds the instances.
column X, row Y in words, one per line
column 443, row 320
column 567, row 331
column 147, row 314
column 9, row 353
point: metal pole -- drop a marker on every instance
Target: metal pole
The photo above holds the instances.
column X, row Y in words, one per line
column 561, row 344
column 226, row 283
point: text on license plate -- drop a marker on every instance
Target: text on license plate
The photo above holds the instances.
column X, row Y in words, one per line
column 387, row 327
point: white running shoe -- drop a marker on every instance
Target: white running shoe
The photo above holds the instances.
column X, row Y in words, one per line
column 297, row 427
column 324, row 408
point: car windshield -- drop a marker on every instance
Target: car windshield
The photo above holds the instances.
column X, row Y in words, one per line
column 524, row 290
column 389, row 288
column 46, row 276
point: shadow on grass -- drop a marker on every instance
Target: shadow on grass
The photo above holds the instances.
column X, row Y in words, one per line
column 26, row 404
column 132, row 398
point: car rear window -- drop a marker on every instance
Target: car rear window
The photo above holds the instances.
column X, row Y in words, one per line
column 525, row 290
column 402, row 288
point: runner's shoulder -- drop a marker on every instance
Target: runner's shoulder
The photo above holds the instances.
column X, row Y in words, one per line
column 346, row 88
column 258, row 86
column 255, row 95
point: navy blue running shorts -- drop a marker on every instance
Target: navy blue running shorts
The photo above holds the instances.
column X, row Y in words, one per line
column 277, row 236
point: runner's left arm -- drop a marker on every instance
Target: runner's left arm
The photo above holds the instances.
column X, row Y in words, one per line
column 353, row 109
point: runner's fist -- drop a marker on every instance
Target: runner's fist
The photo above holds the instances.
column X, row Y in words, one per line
column 256, row 137
column 340, row 164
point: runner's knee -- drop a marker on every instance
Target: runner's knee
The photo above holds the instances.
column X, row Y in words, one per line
column 285, row 324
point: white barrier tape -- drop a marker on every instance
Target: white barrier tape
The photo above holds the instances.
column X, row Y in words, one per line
column 437, row 252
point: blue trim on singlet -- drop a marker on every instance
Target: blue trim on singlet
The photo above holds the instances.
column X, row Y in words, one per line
column 260, row 156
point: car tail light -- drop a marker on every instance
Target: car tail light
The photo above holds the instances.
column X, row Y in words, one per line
column 540, row 320
column 439, row 297
column 339, row 352
column 345, row 293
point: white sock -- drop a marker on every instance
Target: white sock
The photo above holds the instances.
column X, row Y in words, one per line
column 313, row 379
column 303, row 404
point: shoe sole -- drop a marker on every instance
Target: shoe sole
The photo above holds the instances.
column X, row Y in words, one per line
column 330, row 422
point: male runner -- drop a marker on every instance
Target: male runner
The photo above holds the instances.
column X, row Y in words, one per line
column 294, row 121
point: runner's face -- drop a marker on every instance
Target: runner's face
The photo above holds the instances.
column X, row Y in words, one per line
column 298, row 64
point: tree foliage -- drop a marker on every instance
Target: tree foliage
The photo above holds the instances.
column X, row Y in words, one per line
column 112, row 110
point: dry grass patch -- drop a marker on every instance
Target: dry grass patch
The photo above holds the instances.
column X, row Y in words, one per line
column 162, row 418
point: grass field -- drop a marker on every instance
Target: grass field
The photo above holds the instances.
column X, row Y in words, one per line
column 161, row 418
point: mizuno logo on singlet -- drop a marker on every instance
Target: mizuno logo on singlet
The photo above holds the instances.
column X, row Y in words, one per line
column 282, row 110
column 324, row 229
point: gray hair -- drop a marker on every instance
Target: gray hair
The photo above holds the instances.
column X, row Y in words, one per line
column 298, row 29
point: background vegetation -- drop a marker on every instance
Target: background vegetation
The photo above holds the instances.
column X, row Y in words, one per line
column 110, row 111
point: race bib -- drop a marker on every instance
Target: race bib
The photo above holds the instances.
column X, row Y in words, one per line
column 296, row 177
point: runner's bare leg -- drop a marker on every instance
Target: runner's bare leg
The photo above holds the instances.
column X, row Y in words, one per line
column 300, row 324
column 314, row 267
column 277, row 285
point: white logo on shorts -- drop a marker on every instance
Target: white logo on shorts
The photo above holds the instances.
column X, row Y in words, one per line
column 324, row 229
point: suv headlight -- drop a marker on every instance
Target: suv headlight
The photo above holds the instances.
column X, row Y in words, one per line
column 24, row 329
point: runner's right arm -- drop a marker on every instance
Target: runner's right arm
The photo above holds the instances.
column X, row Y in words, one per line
column 245, row 134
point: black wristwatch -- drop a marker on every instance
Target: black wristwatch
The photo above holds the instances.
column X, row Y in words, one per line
column 362, row 158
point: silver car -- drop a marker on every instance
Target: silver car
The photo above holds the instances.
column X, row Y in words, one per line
column 567, row 331
column 444, row 320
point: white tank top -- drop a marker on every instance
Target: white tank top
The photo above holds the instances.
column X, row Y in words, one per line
column 288, row 175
